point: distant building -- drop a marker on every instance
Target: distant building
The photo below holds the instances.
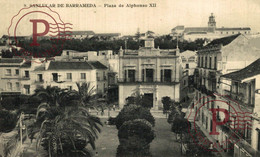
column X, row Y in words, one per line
column 210, row 32
column 189, row 61
column 81, row 34
column 152, row 72
column 107, row 36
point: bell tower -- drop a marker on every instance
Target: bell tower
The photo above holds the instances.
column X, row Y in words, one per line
column 212, row 22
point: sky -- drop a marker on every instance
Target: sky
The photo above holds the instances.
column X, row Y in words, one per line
column 160, row 19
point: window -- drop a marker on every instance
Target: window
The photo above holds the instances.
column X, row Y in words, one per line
column 98, row 78
column 8, row 72
column 187, row 66
column 68, row 53
column 69, row 87
column 221, row 32
column 166, row 75
column 131, row 76
column 69, row 76
column 202, row 65
column 104, row 75
column 83, row 76
column 26, row 74
column 9, row 86
column 206, row 62
column 27, row 89
column 16, row 71
column 199, row 61
column 210, row 61
column 215, row 62
column 55, row 77
column 17, row 84
column 39, row 78
column 104, row 86
column 149, row 75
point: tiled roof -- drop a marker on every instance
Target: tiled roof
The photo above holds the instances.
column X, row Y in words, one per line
column 63, row 65
column 11, row 60
column 230, row 29
column 249, row 71
column 224, row 41
column 97, row 65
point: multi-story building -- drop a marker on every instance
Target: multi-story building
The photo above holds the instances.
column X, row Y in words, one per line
column 10, row 76
column 211, row 32
column 152, row 72
column 189, row 61
column 20, row 77
column 242, row 93
column 219, row 57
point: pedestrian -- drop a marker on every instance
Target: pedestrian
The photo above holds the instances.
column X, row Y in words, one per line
column 96, row 154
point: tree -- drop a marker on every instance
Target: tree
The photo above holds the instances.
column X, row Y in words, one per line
column 133, row 112
column 166, row 104
column 135, row 137
column 180, row 125
column 65, row 128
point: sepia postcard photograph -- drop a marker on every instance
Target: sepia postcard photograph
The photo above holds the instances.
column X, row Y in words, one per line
column 130, row 78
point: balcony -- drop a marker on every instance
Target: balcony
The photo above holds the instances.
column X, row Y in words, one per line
column 204, row 90
column 39, row 82
column 24, row 78
column 149, row 81
column 238, row 97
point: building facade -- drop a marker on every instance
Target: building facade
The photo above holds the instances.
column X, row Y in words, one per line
column 154, row 73
column 20, row 77
column 210, row 32
column 221, row 57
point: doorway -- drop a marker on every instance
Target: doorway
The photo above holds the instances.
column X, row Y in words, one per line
column 149, row 98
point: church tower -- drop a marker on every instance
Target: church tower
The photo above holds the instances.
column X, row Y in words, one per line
column 212, row 22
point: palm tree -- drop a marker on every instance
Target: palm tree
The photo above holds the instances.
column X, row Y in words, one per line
column 65, row 128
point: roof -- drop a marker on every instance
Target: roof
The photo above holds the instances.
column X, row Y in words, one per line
column 108, row 34
column 82, row 33
column 223, row 41
column 97, row 65
column 249, row 71
column 66, row 65
column 11, row 60
column 180, row 27
column 235, row 29
column 75, row 65
column 197, row 33
column 26, row 65
column 199, row 29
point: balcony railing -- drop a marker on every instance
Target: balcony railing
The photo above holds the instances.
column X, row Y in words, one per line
column 239, row 97
column 25, row 78
column 39, row 81
column 156, row 80
column 203, row 89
